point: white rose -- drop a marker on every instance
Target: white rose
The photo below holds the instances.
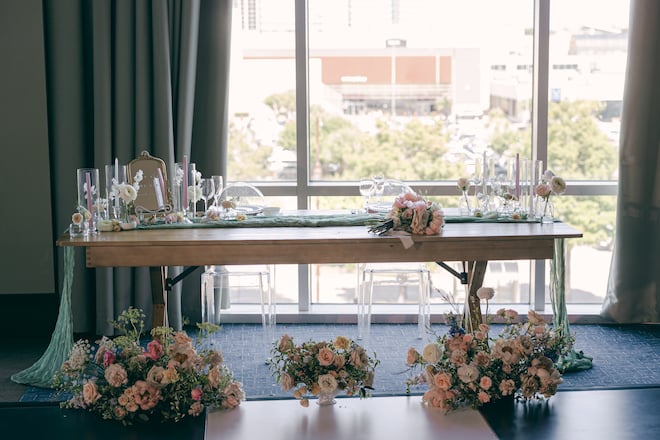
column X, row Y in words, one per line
column 431, row 353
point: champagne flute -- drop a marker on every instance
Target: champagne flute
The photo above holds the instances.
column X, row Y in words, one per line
column 207, row 191
column 218, row 184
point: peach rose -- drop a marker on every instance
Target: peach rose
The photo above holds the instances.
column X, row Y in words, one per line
column 412, row 356
column 327, row 383
column 214, row 377
column 342, row 343
column 325, row 356
column 90, row 393
column 286, row 382
column 442, row 381
column 483, row 396
column 485, row 382
column 116, row 375
column 196, row 409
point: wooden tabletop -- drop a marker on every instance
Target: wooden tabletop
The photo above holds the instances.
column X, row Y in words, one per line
column 291, row 245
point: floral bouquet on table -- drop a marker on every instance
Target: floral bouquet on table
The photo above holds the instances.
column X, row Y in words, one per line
column 323, row 369
column 469, row 369
column 549, row 185
column 412, row 213
column 169, row 380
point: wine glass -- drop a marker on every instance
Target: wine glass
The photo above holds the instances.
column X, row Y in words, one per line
column 207, row 191
column 366, row 190
column 218, row 184
column 379, row 185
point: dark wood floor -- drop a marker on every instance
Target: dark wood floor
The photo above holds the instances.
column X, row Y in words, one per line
column 602, row 414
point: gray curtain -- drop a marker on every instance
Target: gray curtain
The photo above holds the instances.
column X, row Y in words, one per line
column 125, row 76
column 634, row 287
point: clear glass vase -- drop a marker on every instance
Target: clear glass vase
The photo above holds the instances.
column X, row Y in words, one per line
column 326, row 399
column 548, row 213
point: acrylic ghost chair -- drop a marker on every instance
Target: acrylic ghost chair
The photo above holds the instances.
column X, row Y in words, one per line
column 219, row 281
column 392, row 274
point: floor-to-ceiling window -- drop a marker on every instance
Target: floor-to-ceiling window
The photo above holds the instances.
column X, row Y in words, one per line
column 325, row 93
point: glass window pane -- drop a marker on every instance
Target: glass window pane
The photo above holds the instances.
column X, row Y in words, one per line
column 588, row 55
column 416, row 89
column 262, row 131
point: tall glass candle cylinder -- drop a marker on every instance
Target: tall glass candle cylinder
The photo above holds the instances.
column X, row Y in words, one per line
column 183, row 186
column 115, row 174
column 88, row 197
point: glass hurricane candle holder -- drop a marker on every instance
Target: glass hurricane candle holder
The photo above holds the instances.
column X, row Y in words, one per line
column 88, row 197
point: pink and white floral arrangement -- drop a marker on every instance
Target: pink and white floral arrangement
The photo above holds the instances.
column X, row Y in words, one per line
column 469, row 368
column 167, row 380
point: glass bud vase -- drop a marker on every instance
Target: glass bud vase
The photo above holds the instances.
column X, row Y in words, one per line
column 326, row 399
column 548, row 213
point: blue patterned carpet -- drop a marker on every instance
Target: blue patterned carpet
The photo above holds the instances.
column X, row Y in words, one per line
column 624, row 356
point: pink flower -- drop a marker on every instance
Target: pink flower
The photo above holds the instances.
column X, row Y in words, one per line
column 154, row 350
column 108, row 358
column 325, row 356
column 484, row 397
column 116, row 375
column 196, row 394
column 485, row 382
column 543, row 190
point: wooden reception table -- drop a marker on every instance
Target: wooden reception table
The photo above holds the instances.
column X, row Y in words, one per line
column 472, row 242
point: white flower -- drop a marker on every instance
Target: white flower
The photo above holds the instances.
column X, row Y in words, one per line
column 558, row 185
column 194, row 193
column 431, row 353
column 327, row 383
column 127, row 193
column 468, row 373
column 463, row 184
column 486, row 293
column 548, row 175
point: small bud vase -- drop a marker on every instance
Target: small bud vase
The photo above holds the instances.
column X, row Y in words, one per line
column 548, row 215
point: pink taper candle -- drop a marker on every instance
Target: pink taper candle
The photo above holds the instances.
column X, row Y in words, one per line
column 517, row 176
column 185, row 182
column 88, row 193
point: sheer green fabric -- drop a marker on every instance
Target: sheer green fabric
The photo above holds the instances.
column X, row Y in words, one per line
column 573, row 360
column 41, row 373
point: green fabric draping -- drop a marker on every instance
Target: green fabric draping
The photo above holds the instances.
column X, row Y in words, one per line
column 573, row 360
column 41, row 373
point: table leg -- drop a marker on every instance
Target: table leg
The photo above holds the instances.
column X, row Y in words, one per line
column 158, row 295
column 476, row 273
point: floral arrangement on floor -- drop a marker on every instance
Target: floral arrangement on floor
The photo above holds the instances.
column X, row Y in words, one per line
column 167, row 380
column 322, row 368
column 470, row 369
column 412, row 213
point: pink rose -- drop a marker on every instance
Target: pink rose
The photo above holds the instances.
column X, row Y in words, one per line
column 90, row 393
column 543, row 190
column 485, row 382
column 154, row 350
column 196, row 394
column 108, row 358
column 484, row 397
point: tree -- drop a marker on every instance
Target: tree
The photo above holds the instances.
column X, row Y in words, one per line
column 577, row 150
